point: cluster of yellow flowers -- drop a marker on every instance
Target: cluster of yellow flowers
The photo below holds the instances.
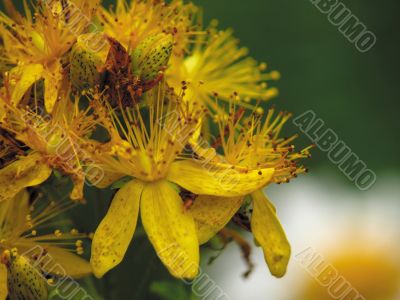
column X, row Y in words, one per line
column 130, row 97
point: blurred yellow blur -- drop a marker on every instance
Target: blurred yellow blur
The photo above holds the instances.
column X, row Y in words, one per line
column 373, row 274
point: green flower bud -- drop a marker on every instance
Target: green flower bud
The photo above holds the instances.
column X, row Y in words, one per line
column 88, row 56
column 24, row 281
column 151, row 56
column 38, row 41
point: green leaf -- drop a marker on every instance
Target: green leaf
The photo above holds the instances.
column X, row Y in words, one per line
column 170, row 290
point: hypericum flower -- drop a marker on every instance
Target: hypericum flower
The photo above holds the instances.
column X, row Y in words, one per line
column 37, row 43
column 250, row 143
column 216, row 66
column 55, row 140
column 24, row 227
column 131, row 23
column 152, row 154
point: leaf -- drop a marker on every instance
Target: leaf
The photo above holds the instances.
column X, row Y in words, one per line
column 170, row 290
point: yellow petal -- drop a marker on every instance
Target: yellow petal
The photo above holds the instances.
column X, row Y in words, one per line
column 74, row 266
column 24, row 76
column 16, row 209
column 101, row 178
column 21, row 208
column 3, row 282
column 55, row 260
column 222, row 181
column 171, row 229
column 211, row 214
column 52, row 83
column 115, row 232
column 25, row 172
column 269, row 234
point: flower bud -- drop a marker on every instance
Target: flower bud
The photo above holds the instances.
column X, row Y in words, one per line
column 38, row 41
column 151, row 56
column 88, row 56
column 24, row 281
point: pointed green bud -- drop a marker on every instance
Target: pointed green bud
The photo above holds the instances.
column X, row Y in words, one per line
column 88, row 56
column 38, row 41
column 24, row 281
column 151, row 56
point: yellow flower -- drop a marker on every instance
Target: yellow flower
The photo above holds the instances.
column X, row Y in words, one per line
column 57, row 142
column 132, row 23
column 217, row 68
column 152, row 153
column 250, row 143
column 186, row 190
column 24, row 228
column 36, row 44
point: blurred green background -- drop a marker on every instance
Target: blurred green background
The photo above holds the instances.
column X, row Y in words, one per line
column 356, row 94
